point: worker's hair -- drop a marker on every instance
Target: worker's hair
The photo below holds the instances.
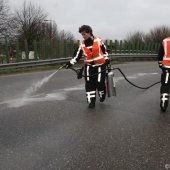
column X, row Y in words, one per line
column 86, row 28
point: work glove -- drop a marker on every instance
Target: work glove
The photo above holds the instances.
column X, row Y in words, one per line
column 107, row 61
column 160, row 66
column 68, row 65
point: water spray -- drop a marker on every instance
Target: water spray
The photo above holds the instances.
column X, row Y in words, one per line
column 39, row 84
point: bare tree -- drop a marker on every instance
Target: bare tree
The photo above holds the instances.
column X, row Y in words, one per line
column 157, row 34
column 4, row 19
column 29, row 20
column 50, row 30
column 63, row 35
column 135, row 37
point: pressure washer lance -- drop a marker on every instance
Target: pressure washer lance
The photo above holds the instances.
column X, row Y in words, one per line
column 60, row 68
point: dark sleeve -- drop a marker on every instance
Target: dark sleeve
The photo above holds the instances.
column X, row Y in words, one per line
column 104, row 50
column 160, row 55
column 77, row 55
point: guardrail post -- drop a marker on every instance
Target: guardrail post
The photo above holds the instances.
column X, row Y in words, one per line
column 149, row 47
column 140, row 47
column 124, row 46
column 146, row 48
column 43, row 49
column 133, row 47
column 35, row 50
column 111, row 46
column 75, row 46
column 128, row 47
column 53, row 48
column 49, row 49
column 120, row 47
column 116, row 43
column 71, row 48
column 137, row 47
column 57, row 48
column 17, row 52
column 65, row 48
column 152, row 47
column 26, row 50
column 62, row 48
column 7, row 50
column 157, row 47
column 106, row 43
column 50, row 53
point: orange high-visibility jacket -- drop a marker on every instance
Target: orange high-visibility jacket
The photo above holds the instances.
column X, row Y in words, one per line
column 95, row 54
column 166, row 58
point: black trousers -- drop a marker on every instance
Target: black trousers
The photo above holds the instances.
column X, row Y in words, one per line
column 96, row 82
column 165, row 85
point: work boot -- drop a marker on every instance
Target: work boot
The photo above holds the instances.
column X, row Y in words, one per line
column 92, row 105
column 164, row 102
column 102, row 99
column 163, row 109
column 102, row 95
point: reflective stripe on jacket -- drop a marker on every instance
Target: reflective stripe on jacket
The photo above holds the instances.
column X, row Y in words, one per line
column 95, row 54
column 166, row 58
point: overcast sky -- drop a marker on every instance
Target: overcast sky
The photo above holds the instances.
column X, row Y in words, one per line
column 110, row 19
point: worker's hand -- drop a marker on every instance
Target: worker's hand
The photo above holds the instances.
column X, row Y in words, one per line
column 68, row 65
column 160, row 65
column 107, row 61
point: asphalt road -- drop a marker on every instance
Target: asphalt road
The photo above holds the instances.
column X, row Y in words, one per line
column 50, row 127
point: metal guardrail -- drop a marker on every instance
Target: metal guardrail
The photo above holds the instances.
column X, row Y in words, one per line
column 64, row 60
column 132, row 55
column 34, row 63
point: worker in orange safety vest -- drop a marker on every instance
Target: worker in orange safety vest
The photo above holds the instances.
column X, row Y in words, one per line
column 96, row 58
column 164, row 64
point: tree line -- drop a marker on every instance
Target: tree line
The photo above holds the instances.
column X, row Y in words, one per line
column 29, row 22
column 155, row 35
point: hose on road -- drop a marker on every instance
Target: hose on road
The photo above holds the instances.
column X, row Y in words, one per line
column 79, row 74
